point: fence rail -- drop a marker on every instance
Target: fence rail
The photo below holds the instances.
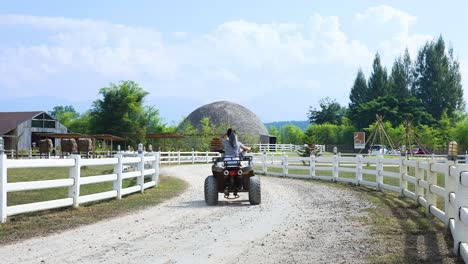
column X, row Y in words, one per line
column 423, row 174
column 145, row 165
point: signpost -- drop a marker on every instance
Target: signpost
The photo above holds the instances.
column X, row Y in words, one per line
column 359, row 140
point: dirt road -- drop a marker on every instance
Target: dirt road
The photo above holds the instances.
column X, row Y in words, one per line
column 297, row 222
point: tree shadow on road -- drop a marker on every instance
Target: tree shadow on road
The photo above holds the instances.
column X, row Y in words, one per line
column 407, row 233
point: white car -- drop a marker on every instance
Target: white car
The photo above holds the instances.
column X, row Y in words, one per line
column 379, row 150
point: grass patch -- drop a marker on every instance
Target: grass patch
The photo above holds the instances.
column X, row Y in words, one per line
column 47, row 222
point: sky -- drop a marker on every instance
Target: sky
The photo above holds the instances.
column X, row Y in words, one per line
column 277, row 58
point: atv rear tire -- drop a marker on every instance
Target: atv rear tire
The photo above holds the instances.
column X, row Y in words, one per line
column 211, row 190
column 255, row 196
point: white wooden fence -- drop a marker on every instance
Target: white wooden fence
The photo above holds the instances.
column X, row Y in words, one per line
column 452, row 209
column 187, row 157
column 146, row 166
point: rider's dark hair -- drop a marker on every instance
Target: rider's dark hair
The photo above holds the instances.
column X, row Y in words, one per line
column 229, row 131
column 233, row 139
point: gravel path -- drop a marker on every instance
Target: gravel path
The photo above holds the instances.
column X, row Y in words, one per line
column 297, row 222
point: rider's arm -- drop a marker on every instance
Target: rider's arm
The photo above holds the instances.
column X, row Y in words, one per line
column 223, row 136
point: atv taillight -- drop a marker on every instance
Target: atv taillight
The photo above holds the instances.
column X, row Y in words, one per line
column 232, row 173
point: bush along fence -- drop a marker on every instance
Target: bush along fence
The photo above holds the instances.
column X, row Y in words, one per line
column 439, row 185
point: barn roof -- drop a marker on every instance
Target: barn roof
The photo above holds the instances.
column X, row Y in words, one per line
column 9, row 120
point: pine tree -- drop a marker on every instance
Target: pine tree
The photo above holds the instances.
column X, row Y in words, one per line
column 400, row 78
column 437, row 81
column 378, row 80
column 359, row 91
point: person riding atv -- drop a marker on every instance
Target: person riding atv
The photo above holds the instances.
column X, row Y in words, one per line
column 232, row 173
column 232, row 147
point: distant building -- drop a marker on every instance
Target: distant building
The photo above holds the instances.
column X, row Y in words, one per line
column 228, row 114
column 20, row 129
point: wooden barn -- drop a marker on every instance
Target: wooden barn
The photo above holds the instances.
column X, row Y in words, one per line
column 21, row 130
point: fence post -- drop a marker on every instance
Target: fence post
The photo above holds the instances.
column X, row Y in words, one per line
column 312, row 166
column 141, row 168
column 3, row 186
column 359, row 169
column 335, row 168
column 75, row 174
column 206, row 155
column 178, row 157
column 432, row 180
column 379, row 170
column 118, row 169
column 193, row 156
column 461, row 194
column 419, row 174
column 264, row 167
column 450, row 188
column 403, row 173
column 285, row 165
column 155, row 166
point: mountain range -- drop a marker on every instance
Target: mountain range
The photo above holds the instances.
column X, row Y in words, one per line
column 278, row 124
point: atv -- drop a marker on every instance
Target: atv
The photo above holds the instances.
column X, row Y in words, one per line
column 232, row 176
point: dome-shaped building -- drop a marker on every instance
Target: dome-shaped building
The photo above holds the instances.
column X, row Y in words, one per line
column 228, row 114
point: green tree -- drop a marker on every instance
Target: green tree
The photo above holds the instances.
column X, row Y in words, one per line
column 322, row 134
column 378, row 80
column 437, row 81
column 359, row 95
column 120, row 111
column 330, row 112
column 400, row 79
column 273, row 131
column 359, row 91
column 460, row 134
column 365, row 114
column 428, row 136
column 445, row 128
column 153, row 119
column 291, row 134
column 191, row 139
column 81, row 124
column 207, row 132
column 60, row 109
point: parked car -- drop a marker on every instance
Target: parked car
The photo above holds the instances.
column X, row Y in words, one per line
column 394, row 152
column 379, row 149
column 417, row 151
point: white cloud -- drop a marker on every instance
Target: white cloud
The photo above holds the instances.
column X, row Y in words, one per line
column 238, row 60
column 387, row 30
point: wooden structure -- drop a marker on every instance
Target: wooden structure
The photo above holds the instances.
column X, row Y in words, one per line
column 216, row 145
column 164, row 137
column 20, row 129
